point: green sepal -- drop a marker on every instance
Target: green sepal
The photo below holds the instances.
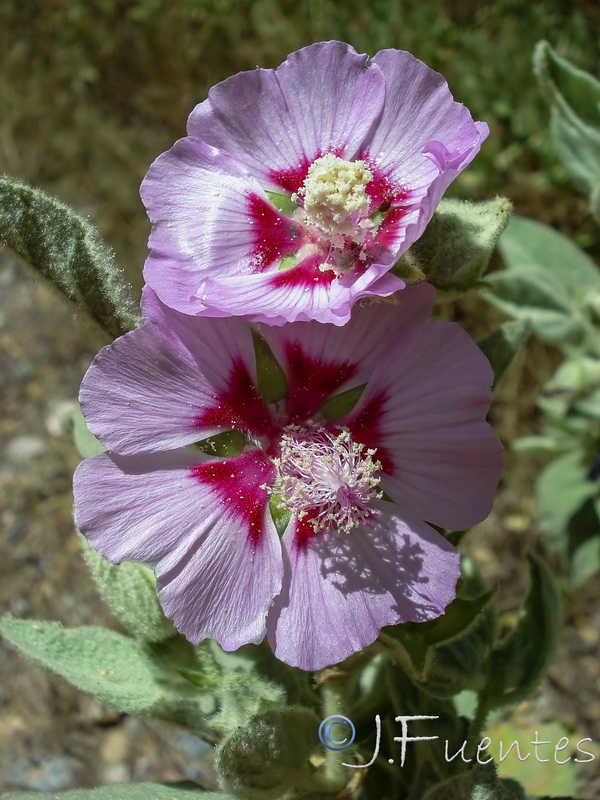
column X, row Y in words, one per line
column 129, row 791
column 280, row 515
column 270, row 755
column 119, row 671
column 502, row 345
column 454, row 251
column 69, row 252
column 226, row 444
column 272, row 383
column 86, row 443
column 519, row 663
column 574, row 99
column 283, row 203
column 129, row 590
column 340, row 405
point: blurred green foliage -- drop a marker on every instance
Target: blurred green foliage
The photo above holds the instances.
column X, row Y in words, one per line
column 93, row 90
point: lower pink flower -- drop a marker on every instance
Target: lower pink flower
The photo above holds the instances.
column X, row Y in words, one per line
column 380, row 431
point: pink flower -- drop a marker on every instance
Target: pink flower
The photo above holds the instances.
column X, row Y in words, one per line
column 380, row 430
column 298, row 189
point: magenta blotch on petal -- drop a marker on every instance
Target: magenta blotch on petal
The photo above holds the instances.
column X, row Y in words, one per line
column 349, row 562
column 298, row 189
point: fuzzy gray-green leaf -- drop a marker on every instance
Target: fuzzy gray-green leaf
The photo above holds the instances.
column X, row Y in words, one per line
column 69, row 252
column 129, row 590
column 574, row 99
column 115, row 669
column 129, row 791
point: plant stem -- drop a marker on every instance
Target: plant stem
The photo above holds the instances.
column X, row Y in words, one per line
column 336, row 685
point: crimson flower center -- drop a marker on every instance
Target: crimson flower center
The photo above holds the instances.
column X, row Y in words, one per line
column 326, row 477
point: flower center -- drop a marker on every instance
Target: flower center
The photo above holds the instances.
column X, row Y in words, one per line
column 334, row 196
column 329, row 478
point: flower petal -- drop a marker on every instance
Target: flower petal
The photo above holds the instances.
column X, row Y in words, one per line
column 320, row 360
column 339, row 591
column 172, row 382
column 295, row 295
column 420, row 115
column 440, row 458
column 203, row 525
column 425, row 138
column 211, row 219
column 272, row 122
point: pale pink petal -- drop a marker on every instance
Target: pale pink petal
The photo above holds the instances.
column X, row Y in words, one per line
column 422, row 128
column 291, row 296
column 172, row 382
column 324, row 97
column 340, row 590
column 322, row 360
column 212, row 219
column 440, row 458
column 203, row 525
column 424, row 139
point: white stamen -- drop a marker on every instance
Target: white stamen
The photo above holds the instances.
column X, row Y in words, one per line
column 328, row 476
column 335, row 198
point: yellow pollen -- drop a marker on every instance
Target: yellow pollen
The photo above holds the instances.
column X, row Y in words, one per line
column 334, row 194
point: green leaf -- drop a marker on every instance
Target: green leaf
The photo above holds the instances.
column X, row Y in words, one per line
column 545, row 443
column 129, row 590
column 66, row 250
column 129, row 791
column 527, row 242
column 574, row 99
column 115, row 669
column 561, row 489
column 547, row 282
column 502, row 345
column 456, row 621
column 458, row 664
column 585, row 561
column 454, row 251
column 520, row 662
column 542, row 772
column 584, row 541
column 480, row 783
column 532, row 296
column 446, row 654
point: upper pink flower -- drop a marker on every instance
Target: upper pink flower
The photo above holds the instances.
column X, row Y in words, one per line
column 359, row 482
column 297, row 189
